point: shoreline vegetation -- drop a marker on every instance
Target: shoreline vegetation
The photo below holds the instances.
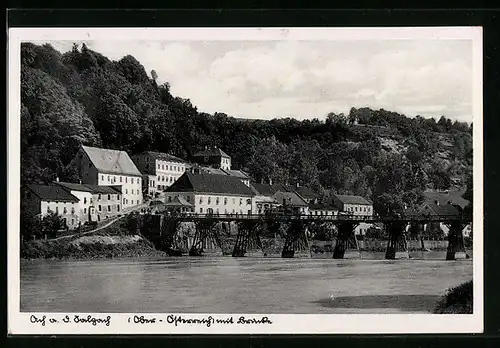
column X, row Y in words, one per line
column 457, row 300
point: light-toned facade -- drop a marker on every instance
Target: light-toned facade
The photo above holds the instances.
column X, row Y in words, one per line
column 107, row 167
column 160, row 170
column 213, row 157
column 213, row 194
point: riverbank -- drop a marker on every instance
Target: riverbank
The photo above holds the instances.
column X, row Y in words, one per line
column 458, row 300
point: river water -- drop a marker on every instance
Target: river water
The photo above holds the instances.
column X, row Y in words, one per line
column 241, row 285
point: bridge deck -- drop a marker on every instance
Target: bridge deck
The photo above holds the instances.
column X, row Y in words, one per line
column 317, row 218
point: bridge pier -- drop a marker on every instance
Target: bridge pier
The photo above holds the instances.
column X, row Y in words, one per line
column 247, row 232
column 203, row 230
column 397, row 248
column 294, row 235
column 456, row 247
column 345, row 239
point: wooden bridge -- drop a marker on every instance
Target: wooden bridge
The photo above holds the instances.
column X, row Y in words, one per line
column 163, row 229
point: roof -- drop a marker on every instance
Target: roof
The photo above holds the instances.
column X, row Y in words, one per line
column 179, row 201
column 305, row 192
column 268, row 190
column 89, row 188
column 52, row 193
column 322, row 206
column 161, row 156
column 291, row 198
column 237, row 173
column 210, row 183
column 212, row 152
column 453, row 196
column 111, row 161
column 348, row 199
column 442, row 210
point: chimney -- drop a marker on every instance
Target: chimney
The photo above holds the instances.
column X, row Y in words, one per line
column 436, row 202
column 57, row 179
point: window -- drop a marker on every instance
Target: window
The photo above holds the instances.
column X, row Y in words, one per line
column 175, row 168
column 57, row 210
column 132, row 180
column 170, row 198
column 109, row 208
column 72, row 221
column 171, row 179
column 118, row 197
column 163, row 167
column 233, row 211
column 225, row 200
column 109, row 197
column 109, row 179
column 249, row 201
column 356, row 208
column 99, row 197
column 234, row 200
column 241, row 201
column 201, row 200
column 209, row 200
column 102, row 177
column 48, row 209
column 72, row 210
column 124, row 201
column 121, row 179
column 126, row 191
column 84, row 200
column 85, row 210
column 99, row 207
column 117, row 207
column 126, row 180
column 217, row 200
column 201, row 210
column 159, row 178
column 170, row 168
column 188, row 198
column 137, row 201
column 158, row 165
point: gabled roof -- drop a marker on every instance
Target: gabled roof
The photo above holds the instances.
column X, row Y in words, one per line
column 268, row 190
column 161, row 156
column 305, row 192
column 212, row 152
column 210, row 183
column 111, row 161
column 178, row 201
column 237, row 173
column 348, row 199
column 52, row 193
column 441, row 210
column 291, row 198
column 453, row 196
column 89, row 188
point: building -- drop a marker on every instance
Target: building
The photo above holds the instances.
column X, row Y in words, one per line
column 212, row 194
column 322, row 209
column 213, row 157
column 96, row 203
column 354, row 205
column 159, row 171
column 199, row 169
column 292, row 201
column 269, row 196
column 106, row 167
column 445, row 197
column 305, row 192
column 43, row 199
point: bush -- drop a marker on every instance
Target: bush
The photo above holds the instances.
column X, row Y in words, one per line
column 457, row 300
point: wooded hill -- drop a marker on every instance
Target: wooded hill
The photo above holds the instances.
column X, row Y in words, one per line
column 82, row 97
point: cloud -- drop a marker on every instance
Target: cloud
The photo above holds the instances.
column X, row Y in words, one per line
column 309, row 79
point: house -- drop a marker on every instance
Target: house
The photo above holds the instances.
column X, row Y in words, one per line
column 43, row 199
column 106, row 167
column 96, row 203
column 292, row 201
column 212, row 194
column 159, row 170
column 306, row 193
column 437, row 209
column 322, row 209
column 199, row 169
column 213, row 157
column 445, row 197
column 354, row 205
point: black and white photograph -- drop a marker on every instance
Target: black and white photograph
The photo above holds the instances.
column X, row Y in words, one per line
column 229, row 180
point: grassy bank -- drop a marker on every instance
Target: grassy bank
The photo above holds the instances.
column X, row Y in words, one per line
column 457, row 300
column 110, row 242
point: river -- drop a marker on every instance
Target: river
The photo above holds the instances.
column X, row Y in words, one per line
column 240, row 285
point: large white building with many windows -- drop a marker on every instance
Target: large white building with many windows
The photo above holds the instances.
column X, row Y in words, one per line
column 108, row 167
column 212, row 194
column 159, row 170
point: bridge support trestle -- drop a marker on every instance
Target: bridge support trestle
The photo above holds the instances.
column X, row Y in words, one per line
column 345, row 239
column 247, row 233
column 456, row 247
column 295, row 238
column 204, row 230
column 397, row 247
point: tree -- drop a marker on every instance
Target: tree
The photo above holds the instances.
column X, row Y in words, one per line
column 51, row 223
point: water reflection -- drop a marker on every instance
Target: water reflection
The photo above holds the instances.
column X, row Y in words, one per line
column 231, row 285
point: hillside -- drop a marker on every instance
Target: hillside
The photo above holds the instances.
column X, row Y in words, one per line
column 82, row 97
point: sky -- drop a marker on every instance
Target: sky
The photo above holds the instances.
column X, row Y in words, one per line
column 308, row 79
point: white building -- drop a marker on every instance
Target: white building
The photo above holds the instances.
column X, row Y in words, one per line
column 212, row 194
column 108, row 167
column 355, row 205
column 159, row 170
